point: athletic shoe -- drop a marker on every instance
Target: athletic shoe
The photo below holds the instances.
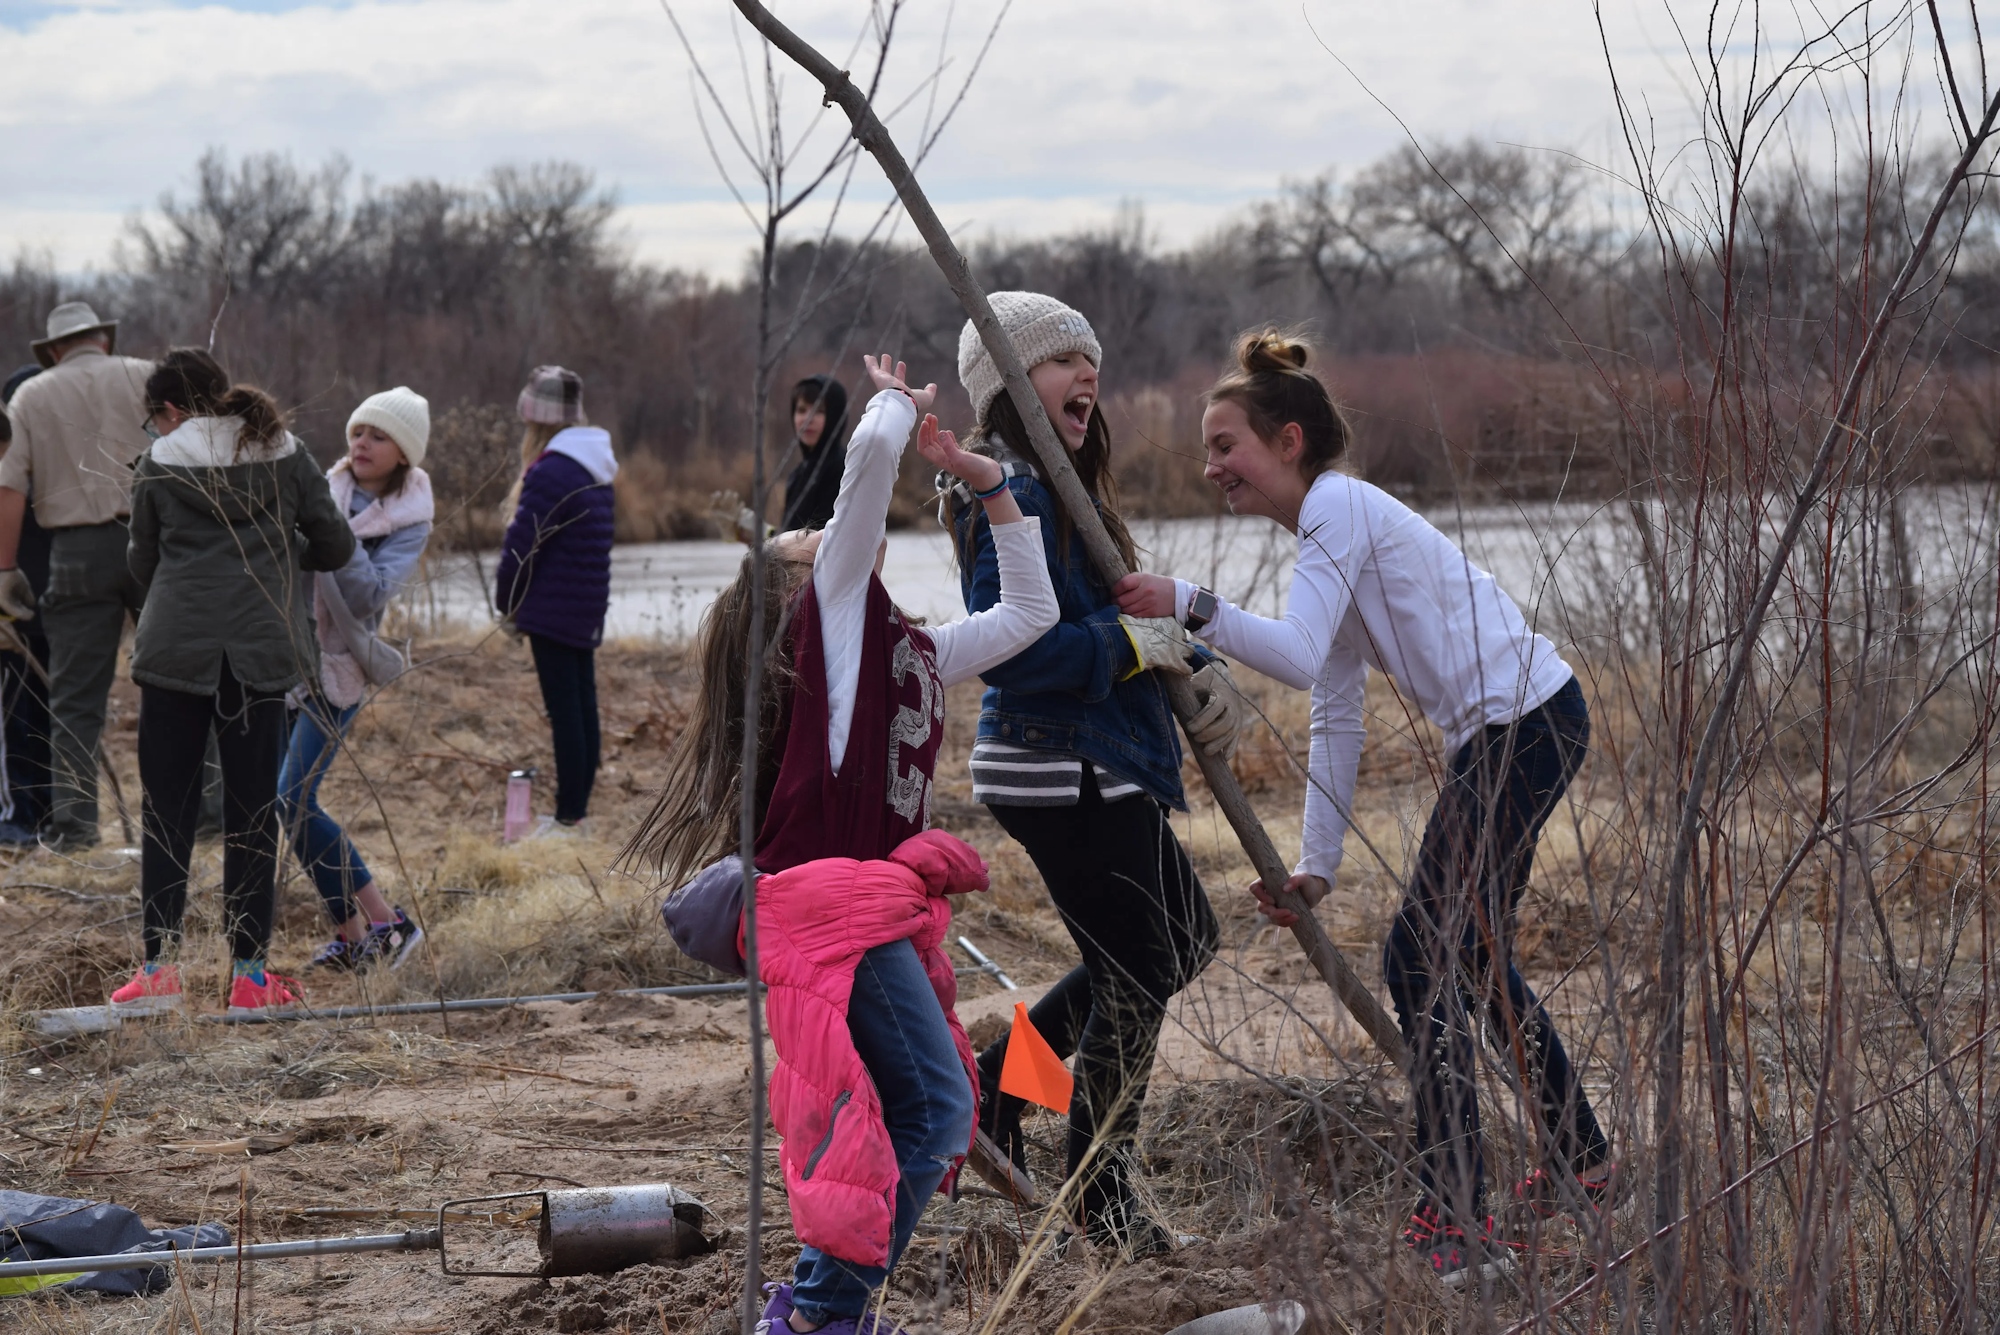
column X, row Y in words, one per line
column 17, row 836
column 261, row 994
column 68, row 839
column 1542, row 1194
column 389, row 943
column 1135, row 1236
column 149, row 993
column 548, row 827
column 871, row 1324
column 339, row 954
column 1453, row 1257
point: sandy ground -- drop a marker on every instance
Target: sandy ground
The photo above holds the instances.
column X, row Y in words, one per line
column 1267, row 1124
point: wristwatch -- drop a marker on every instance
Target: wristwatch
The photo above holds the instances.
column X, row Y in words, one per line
column 1201, row 610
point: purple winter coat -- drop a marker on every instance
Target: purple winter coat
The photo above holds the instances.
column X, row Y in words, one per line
column 555, row 563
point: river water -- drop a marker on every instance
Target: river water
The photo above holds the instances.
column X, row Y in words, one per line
column 1574, row 568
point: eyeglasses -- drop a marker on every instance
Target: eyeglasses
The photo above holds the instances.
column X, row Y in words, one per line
column 152, row 432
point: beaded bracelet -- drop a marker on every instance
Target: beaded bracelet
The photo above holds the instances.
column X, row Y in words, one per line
column 998, row 487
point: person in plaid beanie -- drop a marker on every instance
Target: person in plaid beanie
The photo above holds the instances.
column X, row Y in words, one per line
column 552, row 397
column 554, row 580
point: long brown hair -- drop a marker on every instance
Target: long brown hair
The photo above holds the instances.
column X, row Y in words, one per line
column 694, row 822
column 1271, row 384
column 1092, row 461
column 194, row 382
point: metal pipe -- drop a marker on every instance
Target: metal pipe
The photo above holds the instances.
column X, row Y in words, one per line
column 410, row 1240
column 497, row 1003
column 988, row 966
column 472, row 1004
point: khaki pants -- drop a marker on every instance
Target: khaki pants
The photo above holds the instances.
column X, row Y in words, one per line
column 90, row 593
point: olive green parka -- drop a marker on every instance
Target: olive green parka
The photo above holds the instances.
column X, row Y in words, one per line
column 222, row 539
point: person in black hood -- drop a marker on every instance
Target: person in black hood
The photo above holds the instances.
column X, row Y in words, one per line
column 819, row 422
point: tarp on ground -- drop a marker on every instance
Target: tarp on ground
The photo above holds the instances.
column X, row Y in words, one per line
column 41, row 1228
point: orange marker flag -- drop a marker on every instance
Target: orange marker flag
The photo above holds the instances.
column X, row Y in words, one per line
column 1032, row 1070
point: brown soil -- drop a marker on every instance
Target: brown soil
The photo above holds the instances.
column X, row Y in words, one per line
column 1271, row 1130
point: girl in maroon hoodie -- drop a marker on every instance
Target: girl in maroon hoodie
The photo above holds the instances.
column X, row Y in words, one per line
column 849, row 725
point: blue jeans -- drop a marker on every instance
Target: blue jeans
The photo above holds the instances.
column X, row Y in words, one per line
column 323, row 849
column 1449, row 957
column 900, row 1031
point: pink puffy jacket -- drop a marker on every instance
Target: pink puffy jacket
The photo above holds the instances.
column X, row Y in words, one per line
column 814, row 921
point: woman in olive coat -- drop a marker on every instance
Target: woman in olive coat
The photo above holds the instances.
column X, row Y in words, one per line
column 228, row 515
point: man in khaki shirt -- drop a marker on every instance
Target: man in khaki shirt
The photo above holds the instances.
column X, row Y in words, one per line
column 77, row 431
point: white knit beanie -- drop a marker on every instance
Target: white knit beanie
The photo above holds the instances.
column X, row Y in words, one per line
column 401, row 414
column 1041, row 328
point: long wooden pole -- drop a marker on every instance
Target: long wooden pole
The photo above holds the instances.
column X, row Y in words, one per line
column 874, row 136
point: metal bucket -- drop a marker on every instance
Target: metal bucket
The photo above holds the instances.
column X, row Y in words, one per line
column 598, row 1230
column 1281, row 1318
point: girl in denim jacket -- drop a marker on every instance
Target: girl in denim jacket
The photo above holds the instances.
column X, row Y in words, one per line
column 1078, row 759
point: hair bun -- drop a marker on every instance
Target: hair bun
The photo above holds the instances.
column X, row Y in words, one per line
column 1267, row 350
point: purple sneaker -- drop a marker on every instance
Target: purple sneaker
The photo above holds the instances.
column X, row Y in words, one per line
column 776, row 1309
column 874, row 1323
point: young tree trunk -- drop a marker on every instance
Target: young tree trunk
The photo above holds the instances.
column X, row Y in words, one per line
column 873, row 136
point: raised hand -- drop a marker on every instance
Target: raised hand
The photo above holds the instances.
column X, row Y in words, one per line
column 941, row 448
column 889, row 374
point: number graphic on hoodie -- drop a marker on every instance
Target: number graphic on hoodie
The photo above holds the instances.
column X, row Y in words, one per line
column 910, row 790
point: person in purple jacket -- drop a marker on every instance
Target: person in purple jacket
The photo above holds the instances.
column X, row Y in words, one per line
column 554, row 581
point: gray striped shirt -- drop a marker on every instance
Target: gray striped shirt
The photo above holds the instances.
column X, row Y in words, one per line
column 1022, row 776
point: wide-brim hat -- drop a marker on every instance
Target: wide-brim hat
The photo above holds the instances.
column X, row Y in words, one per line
column 67, row 321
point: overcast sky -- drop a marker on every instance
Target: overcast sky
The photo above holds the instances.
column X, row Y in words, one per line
column 1189, row 107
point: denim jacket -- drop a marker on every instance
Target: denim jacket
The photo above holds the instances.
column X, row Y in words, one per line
column 1068, row 691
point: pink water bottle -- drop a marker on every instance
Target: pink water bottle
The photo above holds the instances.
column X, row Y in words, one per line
column 520, row 805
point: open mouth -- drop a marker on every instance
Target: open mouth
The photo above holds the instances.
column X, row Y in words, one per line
column 1076, row 413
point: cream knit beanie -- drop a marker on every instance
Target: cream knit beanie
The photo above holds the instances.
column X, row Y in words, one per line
column 401, row 414
column 1041, row 328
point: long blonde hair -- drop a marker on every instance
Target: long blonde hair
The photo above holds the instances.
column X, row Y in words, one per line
column 535, row 438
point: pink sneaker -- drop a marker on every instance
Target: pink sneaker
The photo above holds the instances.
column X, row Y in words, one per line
column 155, row 993
column 247, row 996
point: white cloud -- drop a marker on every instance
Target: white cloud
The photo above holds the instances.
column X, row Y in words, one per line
column 1187, row 106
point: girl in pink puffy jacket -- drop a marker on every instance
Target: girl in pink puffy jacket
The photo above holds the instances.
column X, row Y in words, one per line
column 849, row 724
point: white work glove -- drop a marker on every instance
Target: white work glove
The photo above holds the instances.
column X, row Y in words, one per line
column 733, row 518
column 17, row 596
column 1161, row 644
column 1218, row 724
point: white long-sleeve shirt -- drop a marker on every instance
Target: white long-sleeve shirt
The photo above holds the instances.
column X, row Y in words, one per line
column 1377, row 586
column 846, row 559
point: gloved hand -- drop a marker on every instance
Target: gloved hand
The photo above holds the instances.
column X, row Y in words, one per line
column 1218, row 725
column 733, row 519
column 1161, row 644
column 17, row 596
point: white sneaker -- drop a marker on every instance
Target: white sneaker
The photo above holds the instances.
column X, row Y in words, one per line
column 548, row 827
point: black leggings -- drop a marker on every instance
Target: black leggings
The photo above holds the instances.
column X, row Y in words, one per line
column 174, row 727
column 1129, row 896
column 1449, row 956
column 569, row 693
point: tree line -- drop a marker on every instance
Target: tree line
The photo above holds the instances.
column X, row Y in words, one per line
column 1486, row 311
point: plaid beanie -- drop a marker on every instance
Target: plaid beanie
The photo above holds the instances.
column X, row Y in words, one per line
column 401, row 414
column 1041, row 328
column 553, row 396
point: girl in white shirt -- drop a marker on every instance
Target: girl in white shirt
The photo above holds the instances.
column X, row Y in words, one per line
column 1377, row 586
column 851, row 718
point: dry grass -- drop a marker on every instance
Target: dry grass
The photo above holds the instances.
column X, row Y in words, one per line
column 1272, row 1130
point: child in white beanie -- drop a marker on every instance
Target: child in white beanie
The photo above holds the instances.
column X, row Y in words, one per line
column 383, row 490
column 1078, row 759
